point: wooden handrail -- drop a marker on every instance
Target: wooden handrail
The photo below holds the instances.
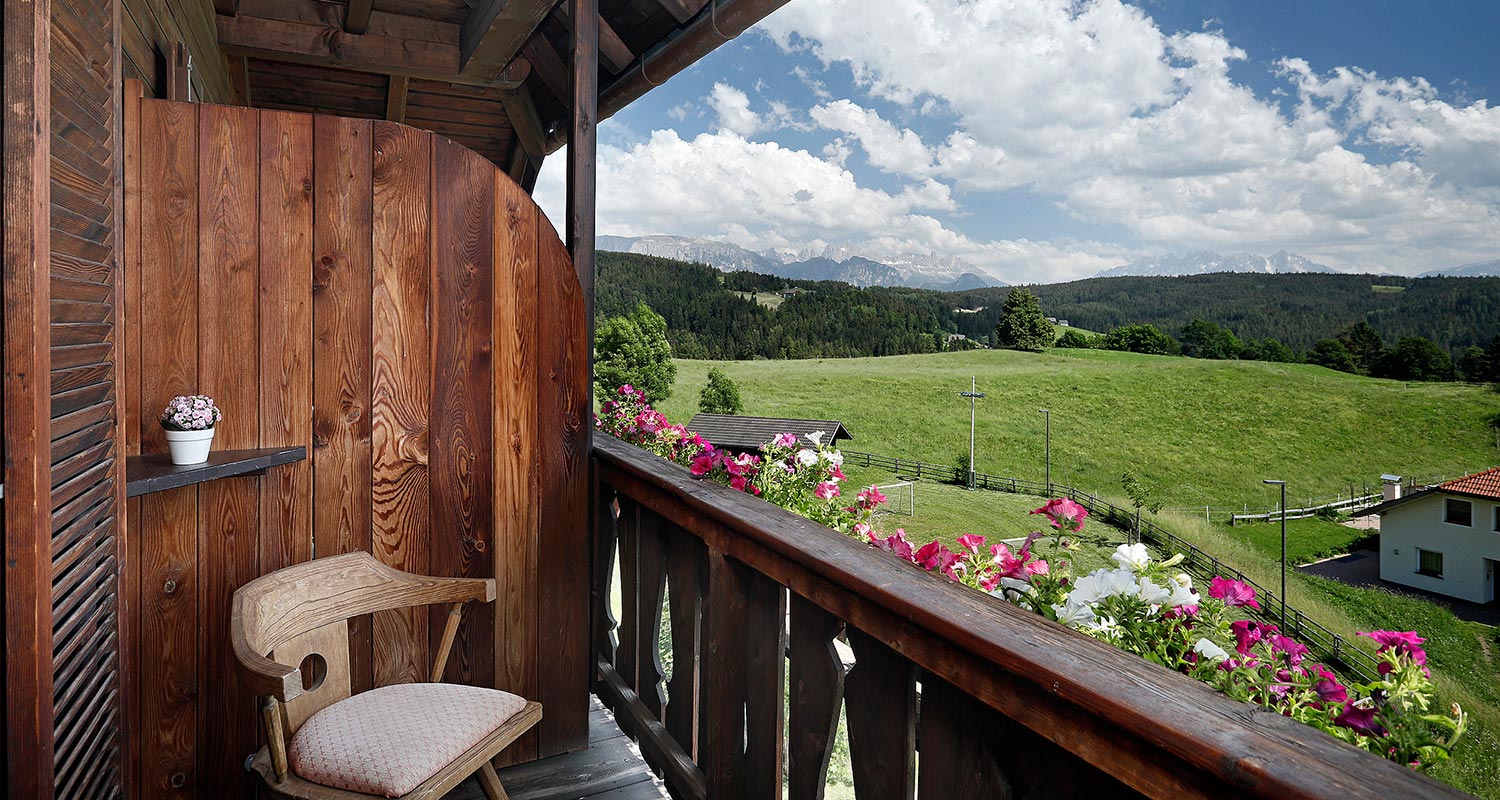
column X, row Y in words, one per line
column 1142, row 726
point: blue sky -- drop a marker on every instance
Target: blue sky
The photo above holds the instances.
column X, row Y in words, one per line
column 1047, row 139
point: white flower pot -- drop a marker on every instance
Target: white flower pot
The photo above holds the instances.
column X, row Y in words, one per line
column 190, row 447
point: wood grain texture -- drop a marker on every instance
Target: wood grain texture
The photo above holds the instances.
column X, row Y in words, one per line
column 167, row 318
column 814, row 695
column 652, row 578
column 401, row 392
column 228, row 355
column 516, row 456
column 130, row 400
column 564, row 411
column 341, row 353
column 461, row 434
column 286, row 379
column 724, row 683
column 765, row 687
column 685, row 560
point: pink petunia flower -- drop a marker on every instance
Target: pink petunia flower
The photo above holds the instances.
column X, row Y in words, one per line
column 1233, row 593
column 1064, row 514
column 826, row 491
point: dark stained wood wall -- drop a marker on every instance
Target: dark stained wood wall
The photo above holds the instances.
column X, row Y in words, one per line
column 390, row 300
column 149, row 28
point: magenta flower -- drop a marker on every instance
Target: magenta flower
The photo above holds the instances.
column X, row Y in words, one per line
column 826, row 491
column 896, row 544
column 1401, row 643
column 936, row 557
column 1327, row 686
column 1248, row 633
column 1064, row 514
column 784, row 440
column 971, row 542
column 1294, row 650
column 1233, row 593
column 1013, row 565
column 1360, row 716
column 703, row 464
column 870, row 497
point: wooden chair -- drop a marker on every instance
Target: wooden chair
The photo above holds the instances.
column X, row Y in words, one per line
column 290, row 632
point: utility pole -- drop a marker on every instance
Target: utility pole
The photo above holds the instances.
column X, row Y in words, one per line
column 1048, row 413
column 1282, row 484
column 974, row 395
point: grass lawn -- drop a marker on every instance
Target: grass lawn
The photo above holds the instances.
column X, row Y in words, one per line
column 1307, row 540
column 1206, row 432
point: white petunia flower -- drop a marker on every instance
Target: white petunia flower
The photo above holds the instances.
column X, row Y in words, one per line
column 1151, row 593
column 1103, row 583
column 1182, row 596
column 807, row 457
column 1076, row 615
column 1132, row 556
column 1209, row 650
column 816, row 437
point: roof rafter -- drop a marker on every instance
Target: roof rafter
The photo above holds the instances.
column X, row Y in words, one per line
column 494, row 32
column 612, row 49
column 395, row 98
column 324, row 44
column 525, row 121
column 683, row 10
column 357, row 19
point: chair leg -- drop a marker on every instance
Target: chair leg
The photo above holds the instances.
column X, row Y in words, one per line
column 490, row 783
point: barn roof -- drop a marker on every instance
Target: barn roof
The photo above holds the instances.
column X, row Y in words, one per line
column 749, row 433
column 492, row 75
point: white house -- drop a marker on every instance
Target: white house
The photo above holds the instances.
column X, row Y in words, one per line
column 1444, row 538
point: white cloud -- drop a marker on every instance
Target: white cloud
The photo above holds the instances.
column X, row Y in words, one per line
column 1091, row 106
column 733, row 109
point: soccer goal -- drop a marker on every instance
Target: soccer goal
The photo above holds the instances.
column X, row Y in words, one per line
column 900, row 498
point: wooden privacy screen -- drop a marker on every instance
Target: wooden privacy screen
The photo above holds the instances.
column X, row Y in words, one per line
column 392, row 301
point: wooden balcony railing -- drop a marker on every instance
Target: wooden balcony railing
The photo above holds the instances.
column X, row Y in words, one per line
column 999, row 702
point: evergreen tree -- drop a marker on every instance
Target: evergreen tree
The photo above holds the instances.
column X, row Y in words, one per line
column 1268, row 350
column 720, row 395
column 1415, row 359
column 1022, row 325
column 634, row 350
column 1364, row 344
column 1474, row 365
column 1147, row 339
column 1204, row 339
column 1332, row 354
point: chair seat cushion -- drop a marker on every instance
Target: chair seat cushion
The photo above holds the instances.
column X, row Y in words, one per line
column 389, row 740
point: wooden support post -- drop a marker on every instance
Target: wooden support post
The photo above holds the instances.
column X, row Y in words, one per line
column 584, row 139
column 395, row 98
column 179, row 82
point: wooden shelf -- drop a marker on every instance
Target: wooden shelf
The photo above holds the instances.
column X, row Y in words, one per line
column 157, row 473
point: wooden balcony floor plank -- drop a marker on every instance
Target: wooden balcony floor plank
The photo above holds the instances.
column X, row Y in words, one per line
column 610, row 769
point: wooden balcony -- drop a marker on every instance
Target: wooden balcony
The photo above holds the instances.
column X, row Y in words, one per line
column 997, row 701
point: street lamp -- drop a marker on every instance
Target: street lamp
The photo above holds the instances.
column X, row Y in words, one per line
column 1282, row 484
column 973, row 394
column 1047, row 412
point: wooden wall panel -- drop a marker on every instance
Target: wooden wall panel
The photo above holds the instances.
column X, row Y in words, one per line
column 402, row 387
column 564, row 420
column 385, row 296
column 461, row 438
column 341, row 353
column 167, row 320
column 227, row 345
column 150, row 27
column 286, row 224
column 517, row 483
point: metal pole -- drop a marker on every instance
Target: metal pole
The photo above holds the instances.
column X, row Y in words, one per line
column 1047, row 413
column 974, row 395
column 1282, row 484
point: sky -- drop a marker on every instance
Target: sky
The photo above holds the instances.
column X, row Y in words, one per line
column 1045, row 140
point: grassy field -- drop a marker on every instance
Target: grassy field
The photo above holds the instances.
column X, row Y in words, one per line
column 1307, row 540
column 1206, row 432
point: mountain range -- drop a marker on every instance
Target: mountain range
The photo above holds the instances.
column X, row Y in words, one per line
column 1481, row 269
column 831, row 263
column 1200, row 262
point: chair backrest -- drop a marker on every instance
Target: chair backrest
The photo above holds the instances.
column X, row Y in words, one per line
column 299, row 616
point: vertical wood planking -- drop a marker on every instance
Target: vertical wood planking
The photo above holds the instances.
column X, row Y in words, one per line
column 628, row 528
column 956, row 738
column 400, row 393
column 129, row 395
column 685, row 595
column 461, row 436
column 286, row 188
column 724, row 682
column 516, row 482
column 341, row 353
column 815, row 693
column 651, row 576
column 564, row 409
column 167, row 641
column 765, row 679
column 881, row 709
column 228, row 359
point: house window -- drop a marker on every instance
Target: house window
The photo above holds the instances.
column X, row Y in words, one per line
column 1458, row 512
column 1429, row 563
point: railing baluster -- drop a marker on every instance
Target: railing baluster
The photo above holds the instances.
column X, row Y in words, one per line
column 630, row 592
column 604, row 562
column 651, row 579
column 956, row 742
column 684, row 557
column 882, row 716
column 765, row 679
column 724, row 685
column 817, row 691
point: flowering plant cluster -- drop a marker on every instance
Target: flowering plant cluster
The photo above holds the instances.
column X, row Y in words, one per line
column 1143, row 605
column 803, row 477
column 192, row 412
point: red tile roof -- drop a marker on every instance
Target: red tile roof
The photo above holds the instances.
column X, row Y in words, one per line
column 1483, row 484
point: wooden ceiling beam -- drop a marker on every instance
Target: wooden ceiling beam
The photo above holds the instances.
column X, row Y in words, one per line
column 227, row 7
column 525, row 122
column 357, row 18
column 494, row 32
column 323, row 44
column 549, row 67
column 613, row 51
column 395, row 98
column 683, row 10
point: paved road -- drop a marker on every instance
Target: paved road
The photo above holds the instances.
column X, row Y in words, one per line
column 1362, row 568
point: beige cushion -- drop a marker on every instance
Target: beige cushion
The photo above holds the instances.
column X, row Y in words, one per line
column 389, row 740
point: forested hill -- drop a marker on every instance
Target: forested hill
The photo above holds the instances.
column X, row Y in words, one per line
column 711, row 314
column 1296, row 309
column 708, row 315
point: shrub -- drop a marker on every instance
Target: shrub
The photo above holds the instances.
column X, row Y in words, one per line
column 720, row 395
column 633, row 350
column 1332, row 354
column 1414, row 359
column 1076, row 339
column 1147, row 339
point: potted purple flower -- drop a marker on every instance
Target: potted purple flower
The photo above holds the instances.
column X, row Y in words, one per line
column 189, row 421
